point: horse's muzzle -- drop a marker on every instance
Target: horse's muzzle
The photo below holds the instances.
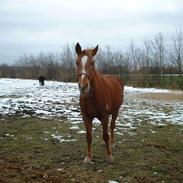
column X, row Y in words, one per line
column 84, row 89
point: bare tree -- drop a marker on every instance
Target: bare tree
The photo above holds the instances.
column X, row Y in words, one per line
column 176, row 51
column 99, row 59
column 67, row 57
column 158, row 52
column 122, row 64
column 146, row 56
column 105, row 59
column 134, row 55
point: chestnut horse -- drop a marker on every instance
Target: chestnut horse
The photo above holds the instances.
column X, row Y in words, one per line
column 100, row 96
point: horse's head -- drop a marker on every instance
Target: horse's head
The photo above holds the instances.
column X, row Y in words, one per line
column 85, row 67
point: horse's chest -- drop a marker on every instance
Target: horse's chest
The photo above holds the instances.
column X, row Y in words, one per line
column 88, row 107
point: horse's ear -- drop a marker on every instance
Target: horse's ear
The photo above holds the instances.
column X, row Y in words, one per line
column 94, row 51
column 78, row 49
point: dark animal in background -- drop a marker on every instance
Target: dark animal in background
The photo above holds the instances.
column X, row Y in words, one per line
column 100, row 96
column 41, row 80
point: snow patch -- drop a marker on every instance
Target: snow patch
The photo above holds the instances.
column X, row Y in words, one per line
column 58, row 99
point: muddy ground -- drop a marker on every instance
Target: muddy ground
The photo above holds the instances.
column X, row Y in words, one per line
column 48, row 150
column 174, row 96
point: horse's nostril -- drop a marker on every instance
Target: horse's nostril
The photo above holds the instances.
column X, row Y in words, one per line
column 82, row 88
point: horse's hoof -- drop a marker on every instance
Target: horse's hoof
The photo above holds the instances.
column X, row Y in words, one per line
column 87, row 160
column 110, row 159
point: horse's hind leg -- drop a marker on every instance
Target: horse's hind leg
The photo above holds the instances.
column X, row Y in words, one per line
column 105, row 121
column 112, row 126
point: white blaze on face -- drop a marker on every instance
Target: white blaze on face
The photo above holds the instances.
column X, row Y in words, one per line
column 83, row 64
column 83, row 72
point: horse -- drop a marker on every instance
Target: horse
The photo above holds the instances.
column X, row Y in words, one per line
column 41, row 80
column 100, row 97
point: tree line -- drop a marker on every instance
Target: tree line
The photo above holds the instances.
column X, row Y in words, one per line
column 145, row 65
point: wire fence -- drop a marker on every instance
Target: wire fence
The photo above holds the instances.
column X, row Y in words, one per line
column 173, row 81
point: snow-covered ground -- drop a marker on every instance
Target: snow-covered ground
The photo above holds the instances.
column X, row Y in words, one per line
column 58, row 99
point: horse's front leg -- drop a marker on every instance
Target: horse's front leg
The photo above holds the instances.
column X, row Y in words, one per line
column 106, row 138
column 88, row 126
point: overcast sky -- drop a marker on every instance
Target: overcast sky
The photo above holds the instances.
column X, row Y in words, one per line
column 32, row 26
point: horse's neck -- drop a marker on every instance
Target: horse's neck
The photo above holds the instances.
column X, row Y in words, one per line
column 99, row 84
column 95, row 80
column 98, row 78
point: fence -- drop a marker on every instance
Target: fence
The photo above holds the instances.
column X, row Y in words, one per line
column 173, row 81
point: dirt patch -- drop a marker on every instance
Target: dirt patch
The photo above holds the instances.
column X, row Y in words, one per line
column 30, row 153
column 159, row 96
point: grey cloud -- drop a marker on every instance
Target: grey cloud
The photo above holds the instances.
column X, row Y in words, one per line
column 28, row 29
